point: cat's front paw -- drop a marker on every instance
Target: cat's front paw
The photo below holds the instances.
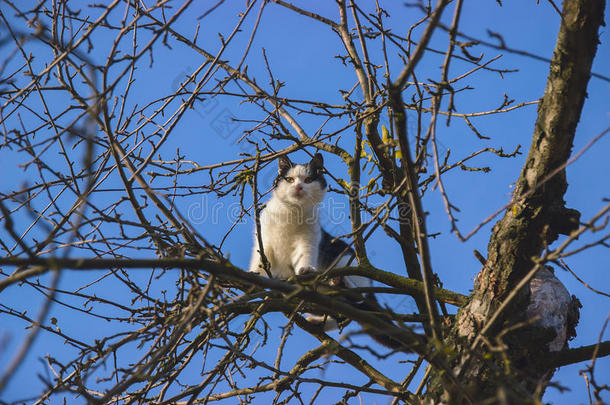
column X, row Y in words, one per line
column 306, row 270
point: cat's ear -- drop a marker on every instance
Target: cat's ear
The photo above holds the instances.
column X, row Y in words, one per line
column 283, row 164
column 317, row 162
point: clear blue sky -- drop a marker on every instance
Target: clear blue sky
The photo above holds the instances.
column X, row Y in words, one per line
column 301, row 53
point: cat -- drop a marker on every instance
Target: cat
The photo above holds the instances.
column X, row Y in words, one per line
column 294, row 242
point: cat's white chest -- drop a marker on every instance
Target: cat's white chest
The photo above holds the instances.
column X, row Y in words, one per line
column 290, row 241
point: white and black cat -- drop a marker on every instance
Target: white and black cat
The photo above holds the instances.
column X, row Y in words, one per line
column 293, row 239
column 295, row 243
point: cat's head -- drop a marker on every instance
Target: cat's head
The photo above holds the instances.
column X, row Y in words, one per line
column 298, row 184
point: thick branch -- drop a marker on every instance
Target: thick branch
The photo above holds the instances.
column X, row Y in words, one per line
column 38, row 266
column 576, row 355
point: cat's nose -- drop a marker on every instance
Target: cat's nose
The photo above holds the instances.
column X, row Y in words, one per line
column 298, row 187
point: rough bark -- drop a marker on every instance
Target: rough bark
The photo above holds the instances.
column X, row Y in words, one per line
column 535, row 220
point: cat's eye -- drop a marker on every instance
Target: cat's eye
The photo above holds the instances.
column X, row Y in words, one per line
column 308, row 179
column 289, row 179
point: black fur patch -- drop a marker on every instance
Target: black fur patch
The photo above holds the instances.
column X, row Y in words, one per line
column 315, row 168
column 330, row 250
column 316, row 175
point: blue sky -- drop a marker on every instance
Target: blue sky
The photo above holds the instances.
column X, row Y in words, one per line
column 301, row 54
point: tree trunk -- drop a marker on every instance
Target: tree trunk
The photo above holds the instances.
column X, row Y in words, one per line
column 534, row 221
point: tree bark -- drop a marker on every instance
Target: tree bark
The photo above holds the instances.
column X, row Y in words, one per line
column 535, row 220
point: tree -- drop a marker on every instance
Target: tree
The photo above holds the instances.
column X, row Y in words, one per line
column 130, row 214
